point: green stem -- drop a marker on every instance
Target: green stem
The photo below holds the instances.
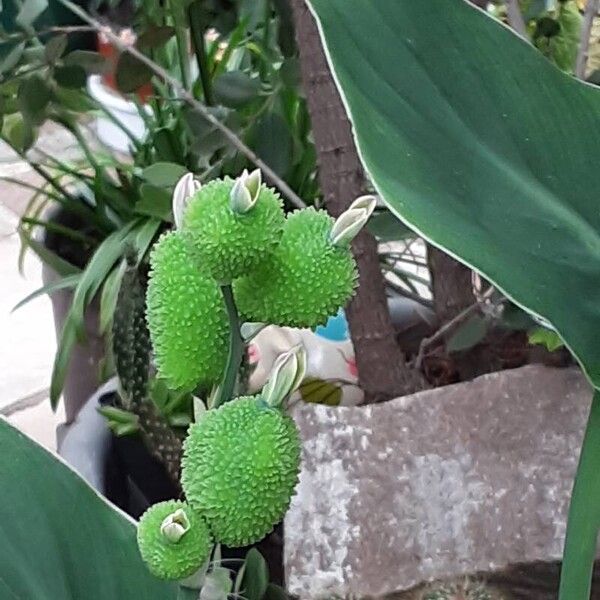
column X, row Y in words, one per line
column 182, row 43
column 200, row 51
column 236, row 349
column 584, row 515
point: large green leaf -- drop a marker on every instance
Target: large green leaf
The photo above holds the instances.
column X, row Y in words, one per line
column 58, row 538
column 482, row 145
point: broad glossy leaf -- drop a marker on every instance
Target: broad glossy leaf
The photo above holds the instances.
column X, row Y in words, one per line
column 470, row 333
column 235, row 89
column 55, row 48
column 131, row 73
column 387, row 228
column 163, row 174
column 58, row 538
column 91, row 62
column 29, row 11
column 483, row 146
column 33, row 98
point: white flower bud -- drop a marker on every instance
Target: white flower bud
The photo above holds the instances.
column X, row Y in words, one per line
column 245, row 191
column 186, row 187
column 175, row 526
column 350, row 222
column 286, row 375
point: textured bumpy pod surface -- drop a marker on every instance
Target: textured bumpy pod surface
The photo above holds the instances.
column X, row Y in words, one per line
column 224, row 243
column 167, row 559
column 306, row 280
column 186, row 317
column 240, row 467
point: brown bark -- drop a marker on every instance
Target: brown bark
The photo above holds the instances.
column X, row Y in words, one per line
column 382, row 368
column 451, row 285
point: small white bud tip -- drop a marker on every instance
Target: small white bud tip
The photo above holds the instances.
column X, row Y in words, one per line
column 350, row 222
column 245, row 191
column 186, row 187
column 175, row 526
column 286, row 375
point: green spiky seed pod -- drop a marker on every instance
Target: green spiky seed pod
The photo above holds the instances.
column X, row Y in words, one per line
column 307, row 280
column 186, row 317
column 178, row 556
column 240, row 467
column 228, row 244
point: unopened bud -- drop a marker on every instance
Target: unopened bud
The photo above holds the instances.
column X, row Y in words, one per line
column 175, row 526
column 350, row 222
column 245, row 191
column 286, row 375
column 186, row 187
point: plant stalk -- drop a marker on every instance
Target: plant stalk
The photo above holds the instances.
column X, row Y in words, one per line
column 236, row 349
column 182, row 43
column 197, row 34
column 584, row 515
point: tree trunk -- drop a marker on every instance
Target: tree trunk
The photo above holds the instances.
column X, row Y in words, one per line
column 451, row 285
column 382, row 369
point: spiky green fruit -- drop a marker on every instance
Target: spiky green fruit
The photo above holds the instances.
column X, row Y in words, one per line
column 240, row 467
column 307, row 280
column 227, row 244
column 186, row 316
column 168, row 557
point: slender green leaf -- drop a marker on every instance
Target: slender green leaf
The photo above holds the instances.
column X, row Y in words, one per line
column 60, row 265
column 68, row 282
column 96, row 271
column 108, row 298
column 60, row 539
column 118, row 414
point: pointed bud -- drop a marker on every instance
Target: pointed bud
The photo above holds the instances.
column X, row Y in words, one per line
column 245, row 191
column 186, row 187
column 350, row 222
column 175, row 526
column 287, row 374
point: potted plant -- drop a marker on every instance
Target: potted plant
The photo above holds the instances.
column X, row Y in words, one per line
column 107, row 203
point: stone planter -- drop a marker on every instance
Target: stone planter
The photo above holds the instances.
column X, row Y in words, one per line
column 470, row 478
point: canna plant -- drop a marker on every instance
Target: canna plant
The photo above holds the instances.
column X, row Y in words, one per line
column 235, row 257
column 504, row 179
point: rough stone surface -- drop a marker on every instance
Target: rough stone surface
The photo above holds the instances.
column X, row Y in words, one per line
column 470, row 477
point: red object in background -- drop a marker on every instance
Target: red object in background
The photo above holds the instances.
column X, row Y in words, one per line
column 111, row 54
